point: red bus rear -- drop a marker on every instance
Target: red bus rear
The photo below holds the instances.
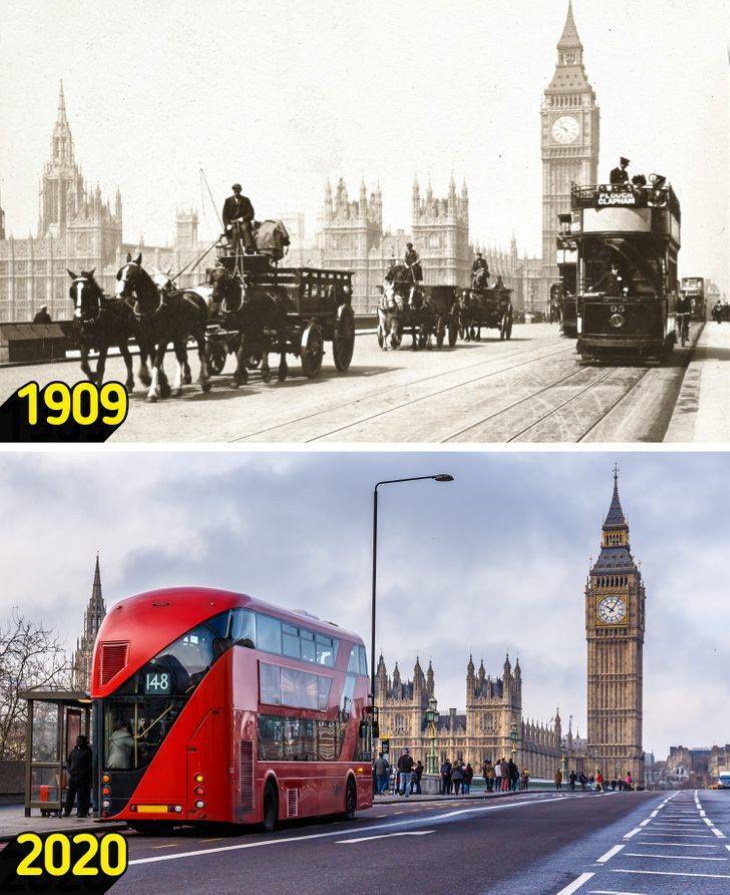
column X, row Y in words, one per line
column 210, row 706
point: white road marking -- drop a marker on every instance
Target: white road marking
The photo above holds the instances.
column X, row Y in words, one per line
column 612, row 892
column 609, row 854
column 398, row 823
column 683, row 844
column 576, row 884
column 384, row 836
column 674, row 873
column 632, row 833
column 683, row 835
column 674, row 857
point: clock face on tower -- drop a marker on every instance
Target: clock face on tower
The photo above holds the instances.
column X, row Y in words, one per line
column 565, row 129
column 612, row 610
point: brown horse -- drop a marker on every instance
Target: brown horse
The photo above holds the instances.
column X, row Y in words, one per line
column 259, row 316
column 100, row 322
column 164, row 317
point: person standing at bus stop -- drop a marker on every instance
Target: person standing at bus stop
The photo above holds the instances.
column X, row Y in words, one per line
column 79, row 777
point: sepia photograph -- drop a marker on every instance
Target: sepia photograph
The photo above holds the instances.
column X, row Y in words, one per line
column 364, row 447
column 397, row 223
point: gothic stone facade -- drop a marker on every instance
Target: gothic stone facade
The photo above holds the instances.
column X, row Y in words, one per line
column 570, row 121
column 77, row 230
column 615, row 623
column 352, row 238
column 93, row 617
column 493, row 714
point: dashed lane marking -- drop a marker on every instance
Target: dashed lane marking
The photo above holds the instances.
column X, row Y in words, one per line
column 576, row 884
column 384, row 836
column 632, row 833
column 610, row 853
column 629, row 854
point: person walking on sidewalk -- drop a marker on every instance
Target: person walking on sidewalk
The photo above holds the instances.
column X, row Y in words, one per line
column 405, row 766
column 416, row 775
column 488, row 772
column 468, row 777
column 382, row 773
column 571, row 781
column 446, row 778
column 524, row 780
column 497, row 776
column 457, row 776
column 505, row 775
column 558, row 779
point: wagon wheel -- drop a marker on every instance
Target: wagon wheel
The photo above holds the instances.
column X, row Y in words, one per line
column 311, row 350
column 343, row 340
column 508, row 326
column 216, row 356
column 423, row 338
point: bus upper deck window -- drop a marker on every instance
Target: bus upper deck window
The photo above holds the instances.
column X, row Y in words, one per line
column 243, row 627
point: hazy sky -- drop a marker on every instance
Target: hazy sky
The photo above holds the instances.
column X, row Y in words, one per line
column 495, row 562
column 282, row 95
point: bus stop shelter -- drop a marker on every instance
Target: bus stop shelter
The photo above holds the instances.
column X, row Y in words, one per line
column 55, row 719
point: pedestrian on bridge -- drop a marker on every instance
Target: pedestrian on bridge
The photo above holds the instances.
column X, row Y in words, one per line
column 468, row 777
column 488, row 773
column 558, row 779
column 446, row 778
column 571, row 780
column 382, row 773
column 405, row 766
column 599, row 781
column 497, row 776
column 457, row 776
column 505, row 775
column 524, row 779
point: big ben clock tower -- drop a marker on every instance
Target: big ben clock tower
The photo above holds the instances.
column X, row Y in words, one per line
column 615, row 634
column 570, row 138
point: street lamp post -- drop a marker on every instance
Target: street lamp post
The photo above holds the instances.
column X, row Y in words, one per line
column 440, row 477
column 514, row 737
column 432, row 719
column 564, row 758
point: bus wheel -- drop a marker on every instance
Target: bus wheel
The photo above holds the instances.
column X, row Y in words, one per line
column 271, row 807
column 351, row 800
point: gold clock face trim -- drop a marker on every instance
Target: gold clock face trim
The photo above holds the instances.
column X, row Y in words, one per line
column 565, row 129
column 611, row 610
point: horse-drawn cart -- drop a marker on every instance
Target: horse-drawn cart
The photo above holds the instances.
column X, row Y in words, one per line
column 444, row 304
column 490, row 308
column 288, row 310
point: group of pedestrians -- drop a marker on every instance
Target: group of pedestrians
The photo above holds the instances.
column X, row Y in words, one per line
column 403, row 778
column 456, row 778
column 504, row 776
column 593, row 783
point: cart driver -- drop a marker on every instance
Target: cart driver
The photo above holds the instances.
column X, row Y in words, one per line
column 412, row 261
column 238, row 216
column 620, row 175
column 477, row 278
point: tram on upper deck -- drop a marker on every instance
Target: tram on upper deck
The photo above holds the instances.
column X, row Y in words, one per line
column 628, row 240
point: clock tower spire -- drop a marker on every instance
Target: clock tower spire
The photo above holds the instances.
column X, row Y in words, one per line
column 615, row 625
column 570, row 120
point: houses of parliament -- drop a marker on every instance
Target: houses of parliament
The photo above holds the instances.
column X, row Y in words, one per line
column 493, row 726
column 80, row 229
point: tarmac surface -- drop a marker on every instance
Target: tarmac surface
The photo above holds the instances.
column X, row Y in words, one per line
column 532, row 388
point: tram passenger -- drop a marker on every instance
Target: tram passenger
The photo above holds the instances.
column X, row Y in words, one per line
column 42, row 316
column 620, row 175
column 238, row 217
column 479, row 279
column 499, row 284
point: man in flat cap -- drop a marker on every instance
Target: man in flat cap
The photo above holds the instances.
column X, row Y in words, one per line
column 237, row 219
column 479, row 279
column 620, row 175
column 413, row 262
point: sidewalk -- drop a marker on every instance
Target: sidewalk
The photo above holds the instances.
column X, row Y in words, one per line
column 702, row 410
column 13, row 821
column 433, row 797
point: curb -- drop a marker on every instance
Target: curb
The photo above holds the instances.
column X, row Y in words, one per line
column 81, row 828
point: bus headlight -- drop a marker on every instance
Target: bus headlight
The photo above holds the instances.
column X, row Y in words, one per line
column 106, row 803
column 617, row 320
column 200, row 804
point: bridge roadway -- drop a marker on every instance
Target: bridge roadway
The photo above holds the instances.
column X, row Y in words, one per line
column 529, row 389
column 536, row 843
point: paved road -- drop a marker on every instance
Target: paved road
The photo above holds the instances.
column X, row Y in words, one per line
column 541, row 844
column 531, row 388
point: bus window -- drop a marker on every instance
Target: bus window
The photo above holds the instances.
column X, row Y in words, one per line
column 307, row 643
column 363, row 660
column 290, row 641
column 269, row 634
column 354, row 664
column 243, row 627
column 326, row 650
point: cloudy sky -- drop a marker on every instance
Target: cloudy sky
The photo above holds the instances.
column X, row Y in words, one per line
column 495, row 562
column 282, row 95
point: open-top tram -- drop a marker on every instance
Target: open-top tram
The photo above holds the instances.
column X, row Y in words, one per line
column 628, row 240
column 210, row 706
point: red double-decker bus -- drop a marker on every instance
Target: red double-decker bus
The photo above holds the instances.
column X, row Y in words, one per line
column 210, row 706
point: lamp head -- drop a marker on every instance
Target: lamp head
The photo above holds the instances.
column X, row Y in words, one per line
column 443, row 477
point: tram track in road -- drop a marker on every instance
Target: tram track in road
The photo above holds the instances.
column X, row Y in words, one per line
column 387, row 393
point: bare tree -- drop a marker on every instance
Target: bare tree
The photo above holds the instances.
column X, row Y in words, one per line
column 31, row 655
